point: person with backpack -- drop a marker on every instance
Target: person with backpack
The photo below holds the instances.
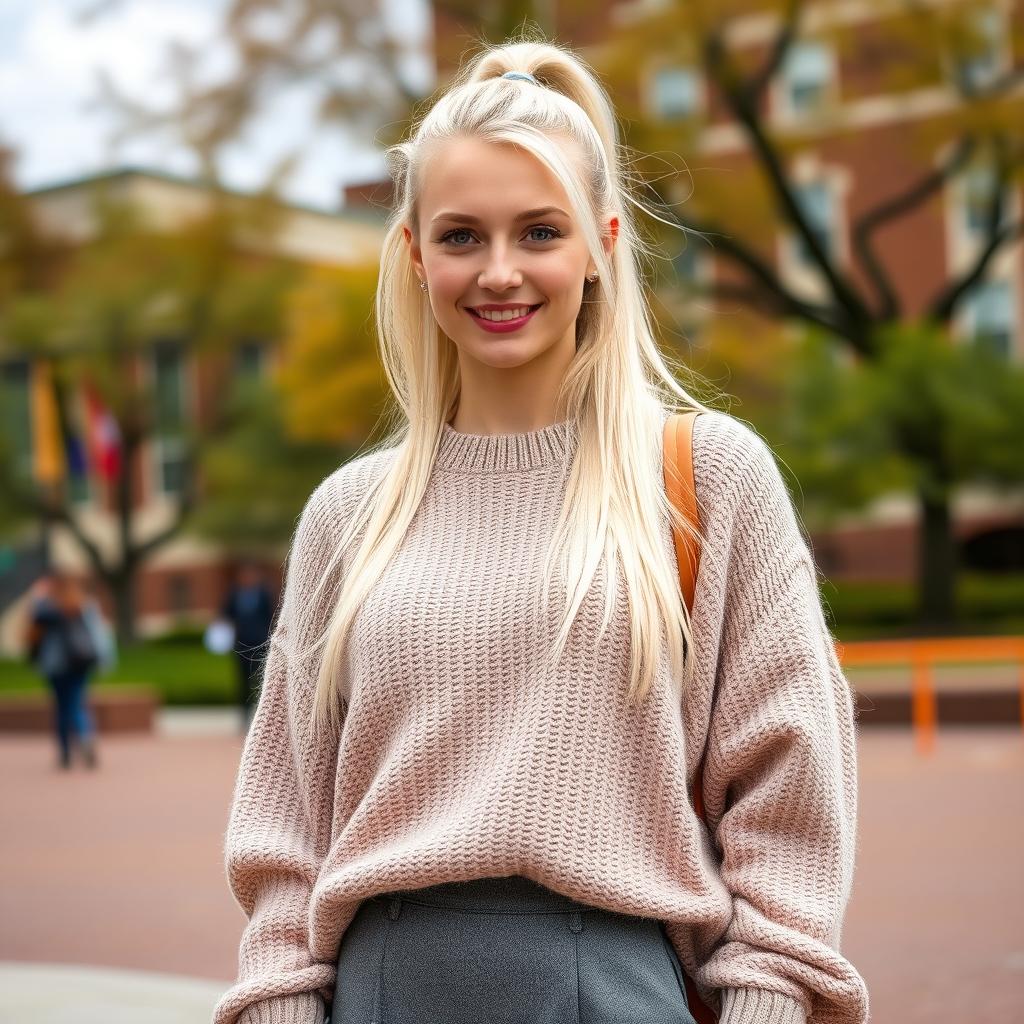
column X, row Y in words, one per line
column 67, row 642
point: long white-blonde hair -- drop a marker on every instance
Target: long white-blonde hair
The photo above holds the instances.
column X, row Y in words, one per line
column 615, row 391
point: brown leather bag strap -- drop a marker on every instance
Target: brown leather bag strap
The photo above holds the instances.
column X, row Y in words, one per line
column 683, row 495
column 678, row 471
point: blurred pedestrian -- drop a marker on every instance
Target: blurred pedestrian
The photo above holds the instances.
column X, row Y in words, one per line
column 249, row 607
column 67, row 641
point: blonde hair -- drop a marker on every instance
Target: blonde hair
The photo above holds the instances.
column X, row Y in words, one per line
column 615, row 390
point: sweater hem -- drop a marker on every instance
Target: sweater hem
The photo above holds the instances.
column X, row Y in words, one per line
column 760, row 1006
column 303, row 1008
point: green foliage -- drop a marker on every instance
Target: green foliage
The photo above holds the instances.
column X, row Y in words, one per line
column 925, row 416
column 183, row 674
column 257, row 479
column 987, row 605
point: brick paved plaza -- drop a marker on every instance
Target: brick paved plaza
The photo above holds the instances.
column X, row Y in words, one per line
column 122, row 869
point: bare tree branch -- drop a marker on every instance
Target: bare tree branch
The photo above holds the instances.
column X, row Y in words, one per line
column 789, row 31
column 360, row 75
column 869, row 222
column 745, row 109
column 778, row 303
column 32, row 501
column 997, row 235
column 765, row 279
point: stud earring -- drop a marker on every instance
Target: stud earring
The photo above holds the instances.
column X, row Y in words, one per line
column 592, row 277
column 423, row 286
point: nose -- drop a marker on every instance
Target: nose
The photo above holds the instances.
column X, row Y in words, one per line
column 499, row 272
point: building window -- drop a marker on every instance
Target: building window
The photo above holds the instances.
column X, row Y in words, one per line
column 989, row 317
column 978, row 63
column 676, row 93
column 978, row 187
column 170, row 411
column 250, row 358
column 16, row 414
column 808, row 74
column 816, row 202
column 686, row 264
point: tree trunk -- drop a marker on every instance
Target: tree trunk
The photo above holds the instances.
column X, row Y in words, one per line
column 123, row 588
column 936, row 564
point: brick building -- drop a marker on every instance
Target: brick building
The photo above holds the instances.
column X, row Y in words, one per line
column 837, row 173
column 185, row 579
column 858, row 144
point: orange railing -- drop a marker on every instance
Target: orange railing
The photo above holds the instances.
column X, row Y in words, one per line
column 922, row 656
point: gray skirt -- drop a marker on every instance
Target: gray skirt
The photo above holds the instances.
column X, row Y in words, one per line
column 503, row 951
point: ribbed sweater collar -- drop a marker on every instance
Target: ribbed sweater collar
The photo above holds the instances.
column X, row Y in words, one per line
column 531, row 449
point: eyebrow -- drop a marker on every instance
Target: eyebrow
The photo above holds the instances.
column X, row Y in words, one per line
column 465, row 218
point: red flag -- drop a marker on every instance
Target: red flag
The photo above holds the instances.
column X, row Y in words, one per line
column 103, row 434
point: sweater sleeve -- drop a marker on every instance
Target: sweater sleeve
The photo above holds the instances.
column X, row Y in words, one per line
column 780, row 775
column 279, row 828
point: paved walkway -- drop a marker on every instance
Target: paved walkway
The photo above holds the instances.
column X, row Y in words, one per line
column 56, row 994
column 120, row 872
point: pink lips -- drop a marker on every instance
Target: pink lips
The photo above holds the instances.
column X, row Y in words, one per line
column 502, row 326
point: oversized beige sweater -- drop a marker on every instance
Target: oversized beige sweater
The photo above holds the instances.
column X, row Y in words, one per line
column 460, row 757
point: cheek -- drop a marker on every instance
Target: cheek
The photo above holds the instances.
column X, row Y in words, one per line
column 449, row 278
column 562, row 285
column 561, row 278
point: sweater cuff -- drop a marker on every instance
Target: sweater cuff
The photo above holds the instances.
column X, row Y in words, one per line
column 301, row 1008
column 759, row 1006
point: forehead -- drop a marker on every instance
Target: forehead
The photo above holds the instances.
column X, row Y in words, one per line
column 491, row 181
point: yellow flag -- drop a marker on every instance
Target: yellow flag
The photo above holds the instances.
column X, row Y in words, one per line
column 48, row 461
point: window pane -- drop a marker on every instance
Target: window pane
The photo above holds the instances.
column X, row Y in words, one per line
column 979, row 184
column 167, row 363
column 170, row 453
column 815, row 200
column 675, row 92
column 991, row 316
column 980, row 65
column 249, row 360
column 807, row 71
column 685, row 262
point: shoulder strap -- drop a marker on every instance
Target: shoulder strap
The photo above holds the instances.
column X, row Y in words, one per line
column 678, row 471
column 681, row 492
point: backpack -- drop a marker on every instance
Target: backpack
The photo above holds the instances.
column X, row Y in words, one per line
column 80, row 650
column 678, row 472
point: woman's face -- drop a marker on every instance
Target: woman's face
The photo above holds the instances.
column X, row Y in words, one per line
column 495, row 230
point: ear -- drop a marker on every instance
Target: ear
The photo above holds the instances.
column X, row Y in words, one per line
column 609, row 237
column 414, row 252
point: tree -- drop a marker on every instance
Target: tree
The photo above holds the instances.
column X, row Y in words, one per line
column 131, row 290
column 362, row 65
column 859, row 302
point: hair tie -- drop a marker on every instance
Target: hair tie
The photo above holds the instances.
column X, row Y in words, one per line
column 524, row 75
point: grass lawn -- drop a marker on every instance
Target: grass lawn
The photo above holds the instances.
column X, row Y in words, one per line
column 183, row 672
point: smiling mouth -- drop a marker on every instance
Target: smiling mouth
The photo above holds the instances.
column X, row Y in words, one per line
column 499, row 317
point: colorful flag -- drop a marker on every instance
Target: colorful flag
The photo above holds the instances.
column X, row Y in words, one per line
column 48, row 462
column 103, row 436
column 74, row 441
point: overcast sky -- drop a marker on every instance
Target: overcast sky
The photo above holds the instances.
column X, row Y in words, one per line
column 47, row 78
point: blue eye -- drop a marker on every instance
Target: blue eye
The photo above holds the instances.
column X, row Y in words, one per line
column 449, row 236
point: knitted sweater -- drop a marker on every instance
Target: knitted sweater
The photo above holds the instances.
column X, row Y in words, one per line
column 461, row 757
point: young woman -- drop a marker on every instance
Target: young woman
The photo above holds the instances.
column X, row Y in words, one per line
column 466, row 792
